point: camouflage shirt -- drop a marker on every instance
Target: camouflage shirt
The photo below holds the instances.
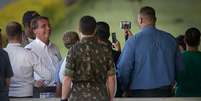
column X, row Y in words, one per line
column 89, row 63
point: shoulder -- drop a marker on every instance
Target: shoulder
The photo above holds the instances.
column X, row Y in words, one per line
column 31, row 45
column 3, row 52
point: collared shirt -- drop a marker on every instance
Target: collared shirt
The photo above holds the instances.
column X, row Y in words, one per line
column 24, row 63
column 150, row 59
column 49, row 54
column 5, row 73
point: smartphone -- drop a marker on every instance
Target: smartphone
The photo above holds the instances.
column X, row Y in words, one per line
column 125, row 24
column 114, row 38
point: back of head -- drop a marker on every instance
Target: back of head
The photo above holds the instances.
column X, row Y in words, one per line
column 180, row 41
column 148, row 13
column 28, row 16
column 87, row 25
column 103, row 30
column 192, row 37
column 70, row 38
column 13, row 29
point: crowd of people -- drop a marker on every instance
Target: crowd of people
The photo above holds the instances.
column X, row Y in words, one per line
column 153, row 63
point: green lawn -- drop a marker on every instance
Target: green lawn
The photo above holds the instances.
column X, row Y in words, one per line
column 174, row 16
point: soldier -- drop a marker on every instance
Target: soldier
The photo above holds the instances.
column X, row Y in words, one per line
column 89, row 66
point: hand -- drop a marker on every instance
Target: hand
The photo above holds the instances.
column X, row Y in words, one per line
column 128, row 32
column 39, row 83
column 117, row 46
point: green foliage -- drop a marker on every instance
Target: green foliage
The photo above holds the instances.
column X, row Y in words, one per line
column 54, row 9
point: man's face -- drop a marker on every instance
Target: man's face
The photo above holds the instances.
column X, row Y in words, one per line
column 43, row 31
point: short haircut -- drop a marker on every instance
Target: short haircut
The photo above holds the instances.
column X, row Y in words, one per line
column 103, row 30
column 34, row 22
column 148, row 12
column 13, row 29
column 28, row 16
column 87, row 25
column 70, row 38
column 192, row 37
column 180, row 41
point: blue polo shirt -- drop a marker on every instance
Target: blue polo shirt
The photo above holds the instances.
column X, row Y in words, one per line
column 5, row 72
column 150, row 59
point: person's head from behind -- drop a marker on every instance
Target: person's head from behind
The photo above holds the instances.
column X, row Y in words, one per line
column 146, row 16
column 87, row 25
column 26, row 20
column 41, row 28
column 14, row 32
column 102, row 30
column 192, row 37
column 70, row 38
column 181, row 43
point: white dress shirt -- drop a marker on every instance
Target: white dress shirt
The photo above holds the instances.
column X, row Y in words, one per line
column 62, row 70
column 24, row 63
column 49, row 55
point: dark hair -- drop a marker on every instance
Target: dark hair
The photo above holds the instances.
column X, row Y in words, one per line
column 87, row 25
column 13, row 29
column 180, row 41
column 70, row 38
column 34, row 22
column 192, row 37
column 103, row 30
column 28, row 16
column 148, row 12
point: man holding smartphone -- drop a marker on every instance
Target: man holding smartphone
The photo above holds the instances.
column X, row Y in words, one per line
column 150, row 59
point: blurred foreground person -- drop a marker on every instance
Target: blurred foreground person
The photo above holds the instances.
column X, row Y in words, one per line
column 5, row 74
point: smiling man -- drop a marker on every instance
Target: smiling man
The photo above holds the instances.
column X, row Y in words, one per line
column 48, row 53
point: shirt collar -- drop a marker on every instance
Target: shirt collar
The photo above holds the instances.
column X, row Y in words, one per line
column 42, row 44
column 147, row 28
column 14, row 44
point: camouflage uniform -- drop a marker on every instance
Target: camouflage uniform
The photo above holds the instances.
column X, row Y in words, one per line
column 89, row 63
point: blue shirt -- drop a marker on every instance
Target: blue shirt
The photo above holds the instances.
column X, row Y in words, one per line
column 149, row 60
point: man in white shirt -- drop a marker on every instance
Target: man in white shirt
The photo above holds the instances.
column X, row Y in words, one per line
column 48, row 53
column 24, row 63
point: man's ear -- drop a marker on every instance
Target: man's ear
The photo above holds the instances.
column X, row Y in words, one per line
column 141, row 20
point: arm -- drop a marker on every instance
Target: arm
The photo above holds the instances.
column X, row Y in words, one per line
column 111, row 86
column 7, row 82
column 66, row 87
column 40, row 71
column 126, row 64
column 8, row 71
column 68, row 74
